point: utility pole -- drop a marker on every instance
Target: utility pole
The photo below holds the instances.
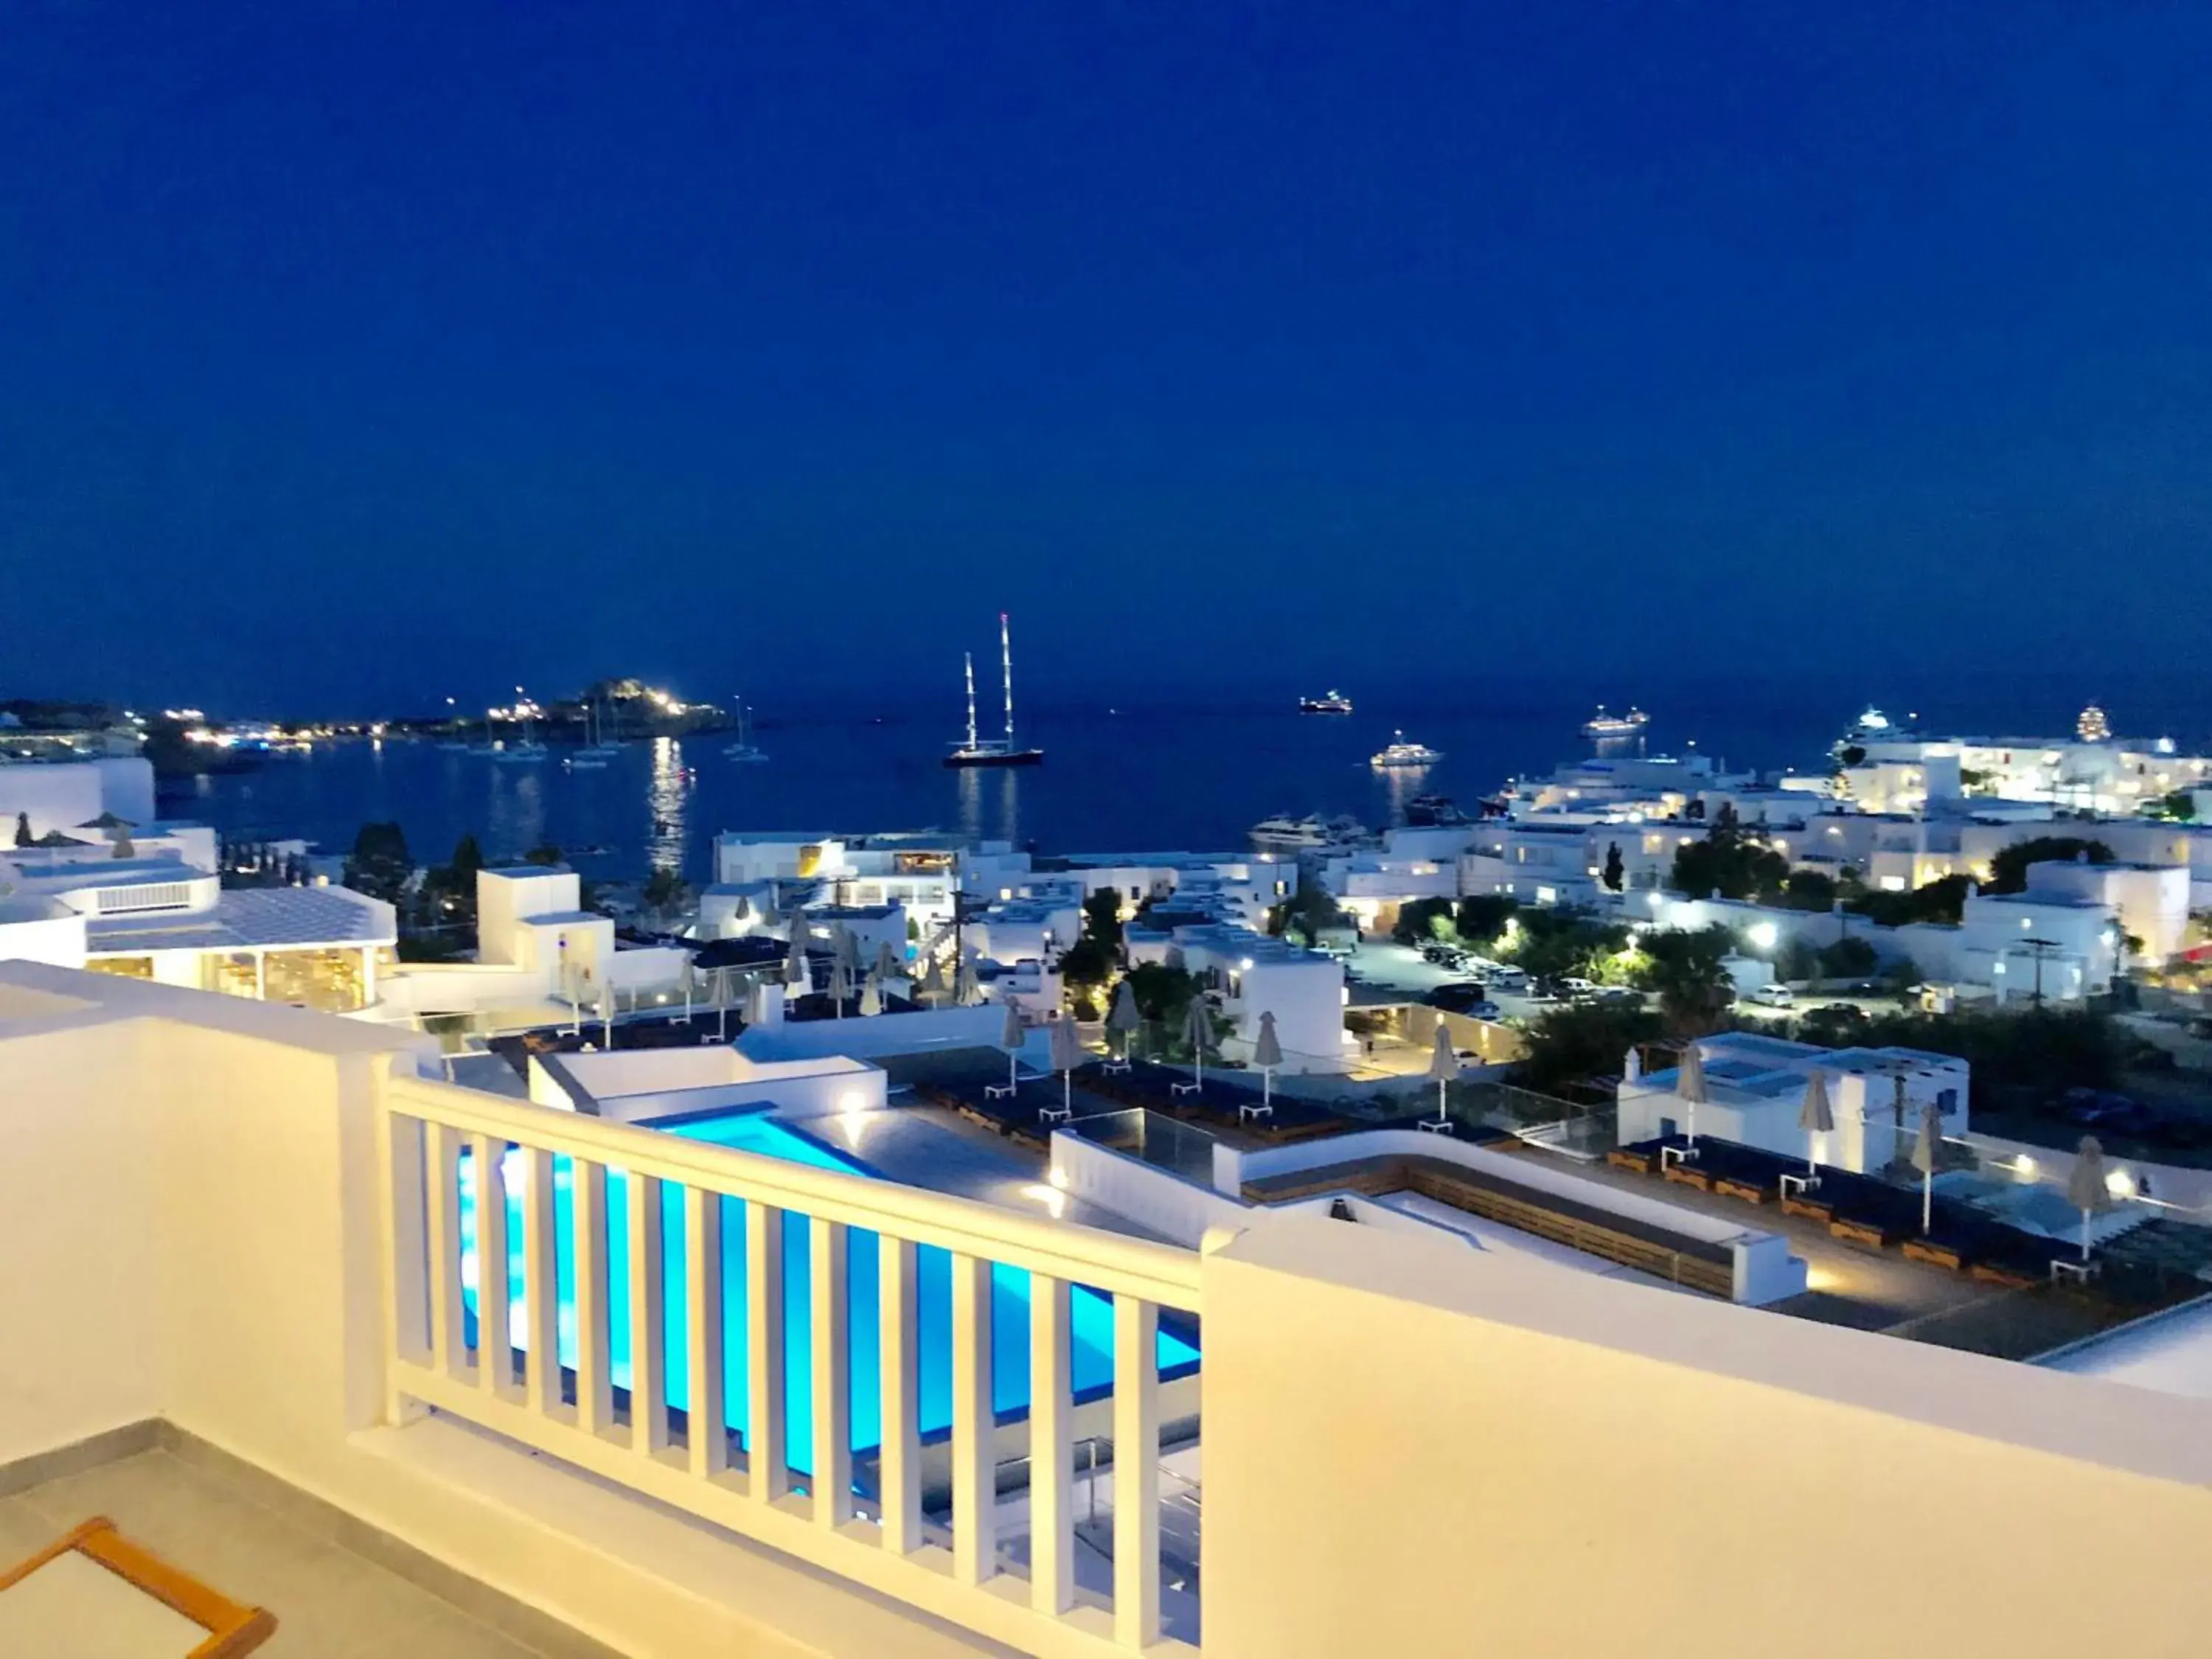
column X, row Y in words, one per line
column 2041, row 950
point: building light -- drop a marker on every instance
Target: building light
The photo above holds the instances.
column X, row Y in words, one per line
column 1763, row 935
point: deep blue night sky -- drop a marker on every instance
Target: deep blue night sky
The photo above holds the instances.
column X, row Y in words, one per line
column 348, row 359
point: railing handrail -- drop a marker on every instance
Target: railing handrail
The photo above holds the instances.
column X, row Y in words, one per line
column 1164, row 1274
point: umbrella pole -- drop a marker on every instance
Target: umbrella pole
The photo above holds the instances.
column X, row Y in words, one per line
column 1067, row 1092
column 1268, row 1087
column 1926, row 1200
column 1010, row 1069
column 2085, row 1235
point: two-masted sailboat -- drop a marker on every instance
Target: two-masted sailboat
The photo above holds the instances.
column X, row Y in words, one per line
column 994, row 751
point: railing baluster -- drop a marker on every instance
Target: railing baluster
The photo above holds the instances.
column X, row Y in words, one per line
column 411, row 1262
column 588, row 1189
column 900, row 1461
column 494, row 1334
column 1136, row 1472
column 1052, row 1466
column 648, row 1392
column 541, row 1285
column 831, row 1374
column 975, row 1502
column 442, row 1214
column 766, row 1475
column 709, row 1443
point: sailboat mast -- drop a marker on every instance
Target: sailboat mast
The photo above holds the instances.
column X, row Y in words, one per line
column 968, row 658
column 1007, row 670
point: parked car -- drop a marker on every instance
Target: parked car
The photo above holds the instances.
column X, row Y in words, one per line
column 1773, row 996
column 1624, row 995
column 1511, row 980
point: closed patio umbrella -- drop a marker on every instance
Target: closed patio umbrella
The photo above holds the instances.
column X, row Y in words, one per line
column 1198, row 1031
column 1122, row 1019
column 964, row 979
column 795, row 971
column 841, row 984
column 1012, row 1035
column 1444, row 1067
column 932, row 981
column 1066, row 1055
column 871, row 996
column 1816, row 1118
column 888, row 965
column 1927, row 1156
column 848, row 949
column 1266, row 1055
column 1690, row 1086
column 2085, row 1188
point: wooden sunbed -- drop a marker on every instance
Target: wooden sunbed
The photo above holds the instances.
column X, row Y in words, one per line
column 1935, row 1251
column 229, row 1629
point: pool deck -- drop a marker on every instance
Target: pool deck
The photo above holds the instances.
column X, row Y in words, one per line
column 929, row 1147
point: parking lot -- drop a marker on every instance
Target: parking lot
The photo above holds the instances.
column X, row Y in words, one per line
column 1398, row 972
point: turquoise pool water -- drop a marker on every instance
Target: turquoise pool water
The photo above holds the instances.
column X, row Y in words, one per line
column 1090, row 1314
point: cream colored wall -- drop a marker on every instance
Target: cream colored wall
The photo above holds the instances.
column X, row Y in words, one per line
column 1482, row 1457
column 78, row 1297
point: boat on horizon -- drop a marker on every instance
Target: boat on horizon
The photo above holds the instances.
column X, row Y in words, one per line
column 1602, row 725
column 993, row 751
column 1398, row 754
column 1334, row 703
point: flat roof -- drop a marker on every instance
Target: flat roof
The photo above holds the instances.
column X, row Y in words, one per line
column 519, row 872
column 250, row 918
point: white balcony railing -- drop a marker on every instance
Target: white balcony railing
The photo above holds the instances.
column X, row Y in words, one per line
column 618, row 1309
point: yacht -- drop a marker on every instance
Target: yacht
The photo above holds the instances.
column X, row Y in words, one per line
column 597, row 751
column 1334, row 703
column 744, row 750
column 1434, row 811
column 1602, row 725
column 994, row 751
column 1283, row 833
column 527, row 750
column 1399, row 753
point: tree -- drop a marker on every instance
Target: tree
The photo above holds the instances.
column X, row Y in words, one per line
column 1482, row 917
column 1420, row 921
column 1684, row 967
column 1616, row 873
column 1728, row 861
column 1102, row 920
column 1570, row 1046
column 1306, row 913
column 1808, row 890
column 378, row 865
column 1942, row 900
column 1552, row 944
column 2009, row 869
column 1849, row 958
column 23, row 835
column 2180, row 806
column 1088, row 963
column 544, row 853
column 468, row 860
column 665, row 889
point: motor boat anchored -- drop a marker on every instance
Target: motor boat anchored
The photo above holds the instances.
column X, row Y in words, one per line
column 994, row 751
column 1283, row 833
column 1602, row 725
column 1334, row 703
column 1399, row 753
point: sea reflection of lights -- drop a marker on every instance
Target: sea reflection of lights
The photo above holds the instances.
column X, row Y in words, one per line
column 975, row 783
column 665, row 797
column 516, row 817
column 1400, row 784
column 971, row 803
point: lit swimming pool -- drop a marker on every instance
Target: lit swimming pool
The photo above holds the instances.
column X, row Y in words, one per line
column 1090, row 1314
